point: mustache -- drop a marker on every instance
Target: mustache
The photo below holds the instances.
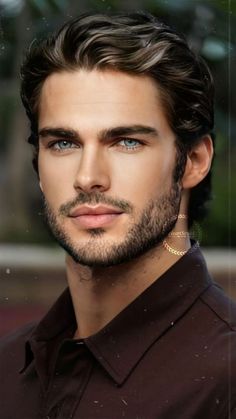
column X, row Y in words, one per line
column 94, row 198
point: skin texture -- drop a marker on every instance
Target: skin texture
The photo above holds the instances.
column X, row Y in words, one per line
column 89, row 163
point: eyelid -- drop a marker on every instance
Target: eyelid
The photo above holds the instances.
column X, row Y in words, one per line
column 52, row 143
column 138, row 141
column 115, row 142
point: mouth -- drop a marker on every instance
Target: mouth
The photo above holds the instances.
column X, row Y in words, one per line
column 94, row 217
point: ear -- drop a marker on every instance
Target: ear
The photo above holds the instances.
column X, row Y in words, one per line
column 198, row 162
column 40, row 185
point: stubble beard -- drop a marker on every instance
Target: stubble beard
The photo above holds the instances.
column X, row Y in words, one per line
column 153, row 225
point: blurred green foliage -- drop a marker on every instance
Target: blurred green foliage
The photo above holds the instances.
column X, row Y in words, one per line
column 210, row 27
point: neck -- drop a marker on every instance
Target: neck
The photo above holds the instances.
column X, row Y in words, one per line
column 99, row 294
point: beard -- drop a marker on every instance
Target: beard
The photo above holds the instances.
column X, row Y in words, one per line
column 153, row 224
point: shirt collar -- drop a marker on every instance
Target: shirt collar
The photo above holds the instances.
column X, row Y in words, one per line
column 119, row 346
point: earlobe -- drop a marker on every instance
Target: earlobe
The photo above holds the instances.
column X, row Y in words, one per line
column 198, row 162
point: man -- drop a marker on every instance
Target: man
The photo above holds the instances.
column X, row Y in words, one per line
column 121, row 118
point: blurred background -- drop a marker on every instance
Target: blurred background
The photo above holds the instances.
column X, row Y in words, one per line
column 31, row 265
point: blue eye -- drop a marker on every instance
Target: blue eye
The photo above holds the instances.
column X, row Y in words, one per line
column 62, row 145
column 129, row 143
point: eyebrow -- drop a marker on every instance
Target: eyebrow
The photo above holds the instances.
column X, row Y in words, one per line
column 122, row 131
column 104, row 135
column 58, row 132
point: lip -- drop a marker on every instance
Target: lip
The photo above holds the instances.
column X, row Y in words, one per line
column 98, row 210
column 94, row 217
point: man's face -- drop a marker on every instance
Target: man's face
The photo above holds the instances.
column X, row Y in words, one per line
column 106, row 162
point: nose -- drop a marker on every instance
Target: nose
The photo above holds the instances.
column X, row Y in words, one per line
column 92, row 173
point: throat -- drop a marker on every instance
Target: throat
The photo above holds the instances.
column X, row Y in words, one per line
column 100, row 294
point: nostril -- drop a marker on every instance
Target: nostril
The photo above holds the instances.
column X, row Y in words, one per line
column 88, row 183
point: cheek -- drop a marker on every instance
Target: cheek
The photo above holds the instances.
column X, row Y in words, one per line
column 56, row 180
column 143, row 178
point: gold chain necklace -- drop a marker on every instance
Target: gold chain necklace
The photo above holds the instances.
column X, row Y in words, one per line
column 176, row 234
column 172, row 250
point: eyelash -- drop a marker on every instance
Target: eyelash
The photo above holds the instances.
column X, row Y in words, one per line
column 134, row 147
column 55, row 145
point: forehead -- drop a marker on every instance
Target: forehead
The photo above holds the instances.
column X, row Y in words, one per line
column 97, row 80
column 102, row 95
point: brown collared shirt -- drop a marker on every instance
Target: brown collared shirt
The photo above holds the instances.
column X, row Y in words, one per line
column 170, row 355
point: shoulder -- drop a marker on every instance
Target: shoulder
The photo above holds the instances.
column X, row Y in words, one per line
column 18, row 335
column 219, row 326
column 12, row 346
column 222, row 307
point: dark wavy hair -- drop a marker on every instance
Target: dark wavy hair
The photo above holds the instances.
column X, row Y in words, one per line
column 135, row 43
